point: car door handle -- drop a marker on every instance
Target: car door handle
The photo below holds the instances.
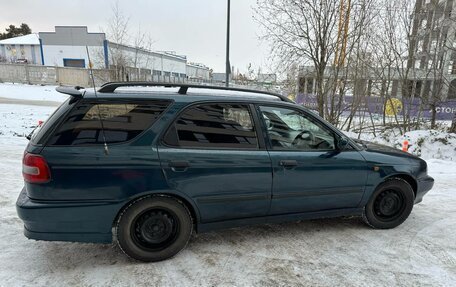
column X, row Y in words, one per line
column 288, row 163
column 178, row 165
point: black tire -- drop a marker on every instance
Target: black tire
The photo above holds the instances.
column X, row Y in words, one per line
column 154, row 228
column 390, row 204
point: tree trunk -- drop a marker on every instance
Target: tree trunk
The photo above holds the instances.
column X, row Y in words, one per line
column 320, row 91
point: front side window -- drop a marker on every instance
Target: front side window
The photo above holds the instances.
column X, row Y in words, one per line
column 214, row 126
column 121, row 122
column 291, row 129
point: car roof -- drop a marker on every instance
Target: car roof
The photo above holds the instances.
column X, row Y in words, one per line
column 176, row 92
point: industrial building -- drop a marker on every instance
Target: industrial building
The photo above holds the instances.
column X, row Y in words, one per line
column 432, row 46
column 198, row 71
column 66, row 47
column 432, row 59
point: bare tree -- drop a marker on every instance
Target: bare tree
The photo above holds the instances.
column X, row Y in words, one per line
column 118, row 33
column 130, row 55
column 302, row 32
column 309, row 32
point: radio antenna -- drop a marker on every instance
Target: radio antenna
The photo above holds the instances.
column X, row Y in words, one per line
column 106, row 150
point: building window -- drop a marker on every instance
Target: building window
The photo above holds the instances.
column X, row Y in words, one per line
column 75, row 63
column 452, row 90
column 301, row 85
column 309, row 88
column 423, row 24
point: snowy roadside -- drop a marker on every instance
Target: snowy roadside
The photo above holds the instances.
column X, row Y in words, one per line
column 30, row 92
column 327, row 252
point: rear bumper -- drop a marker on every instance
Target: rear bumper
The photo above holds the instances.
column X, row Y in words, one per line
column 66, row 221
column 424, row 184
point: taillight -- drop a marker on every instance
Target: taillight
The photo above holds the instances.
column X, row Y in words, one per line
column 35, row 169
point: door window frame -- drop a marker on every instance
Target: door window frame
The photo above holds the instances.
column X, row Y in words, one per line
column 261, row 143
column 308, row 115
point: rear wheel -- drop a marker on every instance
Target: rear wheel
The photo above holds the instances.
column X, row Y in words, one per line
column 390, row 204
column 154, row 228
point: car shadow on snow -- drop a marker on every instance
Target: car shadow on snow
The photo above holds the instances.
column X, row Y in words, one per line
column 62, row 255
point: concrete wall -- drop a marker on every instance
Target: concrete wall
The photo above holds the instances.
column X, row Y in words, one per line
column 51, row 75
column 48, row 75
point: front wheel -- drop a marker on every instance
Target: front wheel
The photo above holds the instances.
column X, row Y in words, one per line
column 154, row 228
column 390, row 204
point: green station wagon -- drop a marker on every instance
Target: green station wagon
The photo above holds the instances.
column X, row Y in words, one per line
column 148, row 166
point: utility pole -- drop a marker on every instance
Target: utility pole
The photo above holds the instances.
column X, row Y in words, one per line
column 227, row 68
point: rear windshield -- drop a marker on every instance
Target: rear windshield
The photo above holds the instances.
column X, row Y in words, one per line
column 120, row 121
column 38, row 135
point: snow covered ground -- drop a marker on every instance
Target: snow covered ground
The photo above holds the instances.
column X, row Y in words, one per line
column 30, row 92
column 328, row 252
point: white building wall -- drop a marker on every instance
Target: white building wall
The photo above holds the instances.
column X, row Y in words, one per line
column 148, row 60
column 198, row 72
column 55, row 54
column 12, row 53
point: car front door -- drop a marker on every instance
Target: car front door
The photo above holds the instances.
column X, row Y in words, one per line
column 212, row 154
column 309, row 172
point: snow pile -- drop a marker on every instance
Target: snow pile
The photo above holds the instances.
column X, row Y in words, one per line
column 430, row 144
column 426, row 144
column 31, row 92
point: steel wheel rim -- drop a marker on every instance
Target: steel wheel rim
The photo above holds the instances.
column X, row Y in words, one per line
column 389, row 205
column 155, row 229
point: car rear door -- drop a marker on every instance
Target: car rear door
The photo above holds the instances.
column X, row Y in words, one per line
column 309, row 172
column 211, row 153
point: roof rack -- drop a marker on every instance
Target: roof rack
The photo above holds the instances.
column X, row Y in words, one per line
column 183, row 88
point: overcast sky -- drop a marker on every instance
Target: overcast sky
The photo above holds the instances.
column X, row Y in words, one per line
column 195, row 28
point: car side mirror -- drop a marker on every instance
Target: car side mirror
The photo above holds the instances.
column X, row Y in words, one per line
column 342, row 143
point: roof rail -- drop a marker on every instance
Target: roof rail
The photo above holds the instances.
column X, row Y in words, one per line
column 183, row 87
column 75, row 92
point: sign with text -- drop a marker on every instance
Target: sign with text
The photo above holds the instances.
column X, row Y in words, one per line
column 445, row 110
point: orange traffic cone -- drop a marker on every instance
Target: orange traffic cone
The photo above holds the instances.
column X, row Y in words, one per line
column 405, row 145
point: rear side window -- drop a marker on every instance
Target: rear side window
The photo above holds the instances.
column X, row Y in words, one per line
column 38, row 135
column 214, row 126
column 121, row 121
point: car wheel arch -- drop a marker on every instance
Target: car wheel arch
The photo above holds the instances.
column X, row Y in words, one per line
column 191, row 206
column 405, row 177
